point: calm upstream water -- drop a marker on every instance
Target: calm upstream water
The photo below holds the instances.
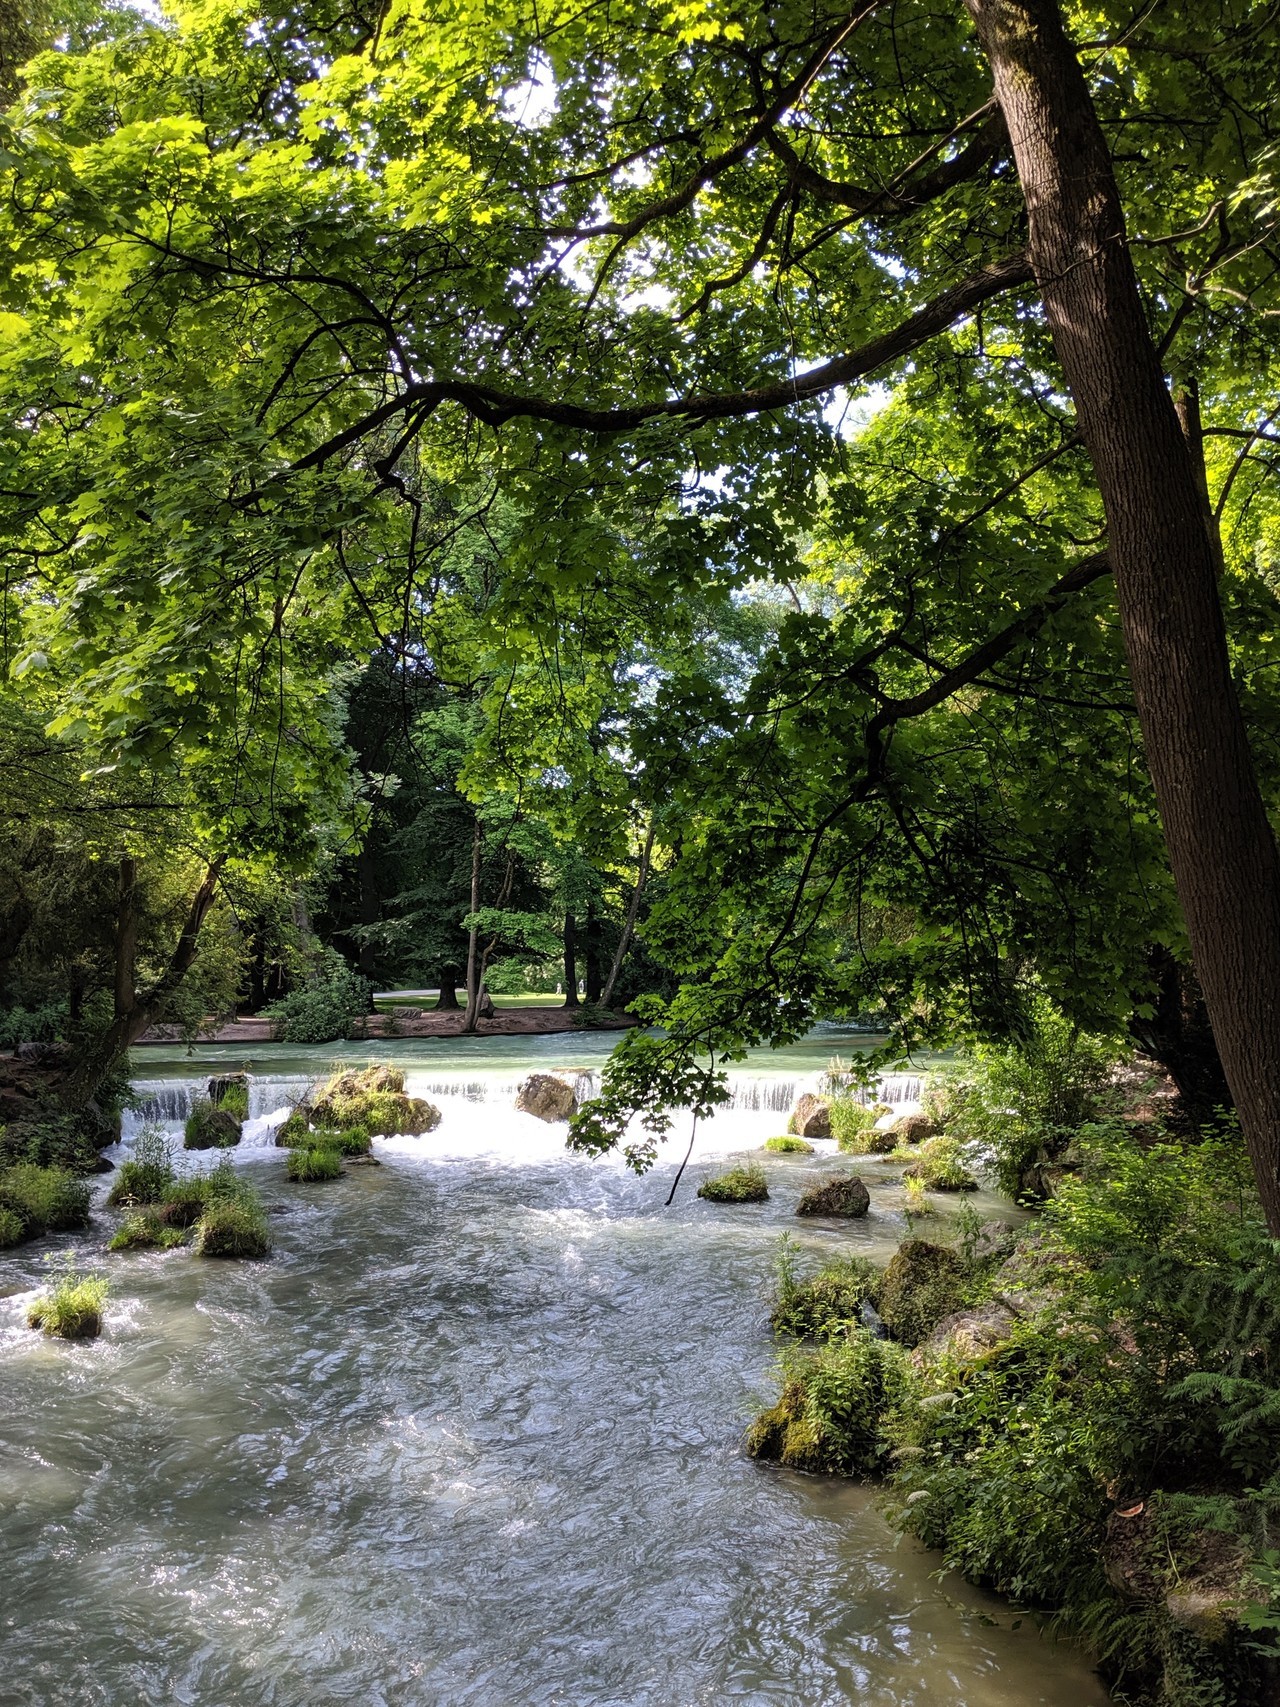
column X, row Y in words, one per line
column 471, row 1435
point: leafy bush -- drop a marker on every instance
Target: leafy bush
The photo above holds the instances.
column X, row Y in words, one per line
column 72, row 1308
column 1026, row 1099
column 145, row 1231
column 53, row 1140
column 12, row 1230
column 148, row 1173
column 828, row 1303
column 210, row 1127
column 788, row 1146
column 940, row 1165
column 44, row 1200
column 736, row 1185
column 45, row 1023
column 851, row 1121
column 320, row 1163
column 325, row 1009
column 833, row 1412
column 294, row 1130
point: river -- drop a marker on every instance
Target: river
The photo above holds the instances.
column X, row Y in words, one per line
column 470, row 1436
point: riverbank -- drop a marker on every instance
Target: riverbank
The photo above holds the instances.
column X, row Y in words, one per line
column 408, row 1022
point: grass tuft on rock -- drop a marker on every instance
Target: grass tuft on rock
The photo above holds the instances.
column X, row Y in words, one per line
column 373, row 1097
column 72, row 1308
column 146, row 1231
column 843, row 1195
column 831, row 1415
column 354, row 1141
column 788, row 1146
column 737, row 1185
column 939, row 1165
column 319, row 1163
column 829, row 1302
column 233, row 1227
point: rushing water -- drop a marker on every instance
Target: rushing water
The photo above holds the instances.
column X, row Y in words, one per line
column 472, row 1436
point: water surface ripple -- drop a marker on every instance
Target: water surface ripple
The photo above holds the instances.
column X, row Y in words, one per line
column 472, row 1435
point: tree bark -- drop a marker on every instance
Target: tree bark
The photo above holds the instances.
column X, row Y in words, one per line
column 472, row 1013
column 633, row 912
column 447, row 1000
column 570, row 962
column 593, row 979
column 133, row 1012
column 1221, row 848
column 1178, row 1036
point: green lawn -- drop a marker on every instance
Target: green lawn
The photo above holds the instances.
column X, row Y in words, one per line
column 429, row 1002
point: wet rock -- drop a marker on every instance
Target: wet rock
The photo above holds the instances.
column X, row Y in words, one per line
column 843, row 1194
column 210, row 1128
column 912, row 1129
column 921, row 1286
column 969, row 1334
column 228, row 1084
column 546, row 1097
column 811, row 1117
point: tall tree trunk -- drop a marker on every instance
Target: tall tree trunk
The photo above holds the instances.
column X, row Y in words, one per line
column 447, row 1000
column 1177, row 1035
column 633, row 912
column 134, row 1012
column 1222, row 851
column 593, row 979
column 472, row 1013
column 570, row 962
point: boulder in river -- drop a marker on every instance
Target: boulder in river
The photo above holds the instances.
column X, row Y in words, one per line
column 921, row 1285
column 913, row 1129
column 811, row 1117
column 230, row 1091
column 373, row 1097
column 210, row 1128
column 547, row 1097
column 843, row 1194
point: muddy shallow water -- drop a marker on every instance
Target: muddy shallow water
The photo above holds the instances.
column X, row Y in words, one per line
column 471, row 1435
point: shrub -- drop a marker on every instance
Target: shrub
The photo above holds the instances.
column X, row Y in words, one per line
column 320, row 1163
column 72, row 1308
column 233, row 1226
column 326, row 1008
column 12, row 1230
column 147, row 1175
column 788, row 1146
column 830, row 1302
column 939, row 1165
column 66, row 1141
column 210, row 1128
column 145, row 1231
column 833, row 1413
column 45, row 1200
column 737, row 1185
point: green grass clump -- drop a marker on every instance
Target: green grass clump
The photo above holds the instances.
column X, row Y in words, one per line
column 210, row 1128
column 918, row 1202
column 12, row 1231
column 320, row 1163
column 789, row 1146
column 145, row 1231
column 235, row 1099
column 72, row 1308
column 738, row 1185
column 354, row 1141
column 44, row 1200
column 233, row 1227
column 294, row 1131
column 147, row 1175
column 183, row 1203
column 828, row 1303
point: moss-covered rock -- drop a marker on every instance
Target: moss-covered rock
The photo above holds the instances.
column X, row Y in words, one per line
column 842, row 1194
column 184, row 1202
column 210, row 1128
column 788, row 1147
column 737, row 1185
column 830, row 1416
column 372, row 1097
column 912, row 1129
column 547, row 1097
column 233, row 1227
column 923, row 1283
column 811, row 1117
